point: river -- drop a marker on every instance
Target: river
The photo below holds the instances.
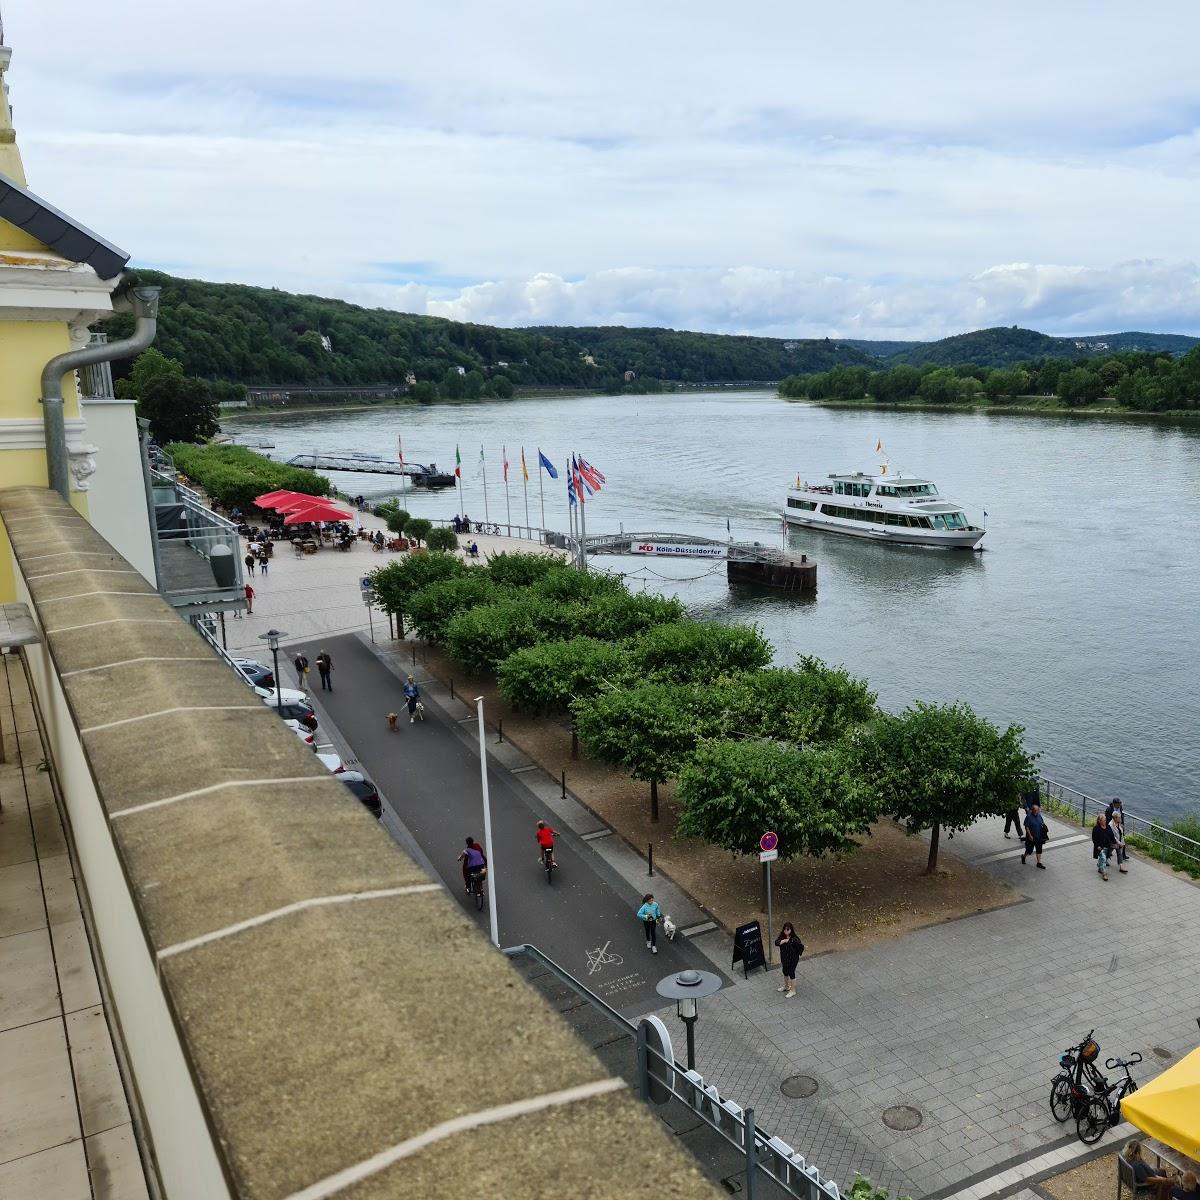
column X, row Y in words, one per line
column 1078, row 621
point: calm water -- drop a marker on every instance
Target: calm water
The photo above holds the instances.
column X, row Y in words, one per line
column 1079, row 621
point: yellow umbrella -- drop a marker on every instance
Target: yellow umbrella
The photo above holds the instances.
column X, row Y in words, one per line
column 1168, row 1107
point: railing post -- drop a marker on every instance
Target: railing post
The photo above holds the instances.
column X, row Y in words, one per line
column 751, row 1149
column 1083, row 809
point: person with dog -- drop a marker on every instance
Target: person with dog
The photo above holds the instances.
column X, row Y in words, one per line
column 325, row 670
column 650, row 914
column 545, row 840
column 790, row 949
column 412, row 694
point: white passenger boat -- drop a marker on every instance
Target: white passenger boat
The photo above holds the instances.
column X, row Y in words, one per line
column 887, row 508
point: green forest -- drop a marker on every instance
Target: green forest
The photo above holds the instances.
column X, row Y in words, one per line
column 263, row 336
column 1153, row 382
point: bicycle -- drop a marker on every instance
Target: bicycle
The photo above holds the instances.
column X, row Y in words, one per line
column 476, row 888
column 1071, row 1090
column 1103, row 1110
column 548, row 863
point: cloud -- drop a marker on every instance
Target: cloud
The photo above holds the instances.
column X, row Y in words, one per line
column 787, row 168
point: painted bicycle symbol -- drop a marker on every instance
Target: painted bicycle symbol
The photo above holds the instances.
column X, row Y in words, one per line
column 601, row 958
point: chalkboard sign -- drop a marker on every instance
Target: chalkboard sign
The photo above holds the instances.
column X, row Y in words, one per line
column 748, row 947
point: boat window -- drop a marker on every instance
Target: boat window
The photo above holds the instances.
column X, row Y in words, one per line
column 807, row 505
column 939, row 522
column 837, row 488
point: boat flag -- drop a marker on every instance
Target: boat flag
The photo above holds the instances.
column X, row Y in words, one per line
column 457, row 463
column 481, row 458
column 504, row 456
column 545, row 462
column 524, row 468
column 878, row 445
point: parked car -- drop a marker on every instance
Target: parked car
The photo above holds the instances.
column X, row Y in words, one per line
column 302, row 732
column 293, row 710
column 258, row 674
column 365, row 790
column 331, row 762
column 288, row 695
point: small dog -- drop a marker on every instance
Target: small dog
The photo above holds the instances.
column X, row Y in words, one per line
column 669, row 928
column 392, row 718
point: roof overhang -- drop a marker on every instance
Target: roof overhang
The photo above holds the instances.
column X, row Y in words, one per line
column 20, row 207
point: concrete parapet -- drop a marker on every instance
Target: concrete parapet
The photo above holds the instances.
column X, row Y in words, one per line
column 305, row 1013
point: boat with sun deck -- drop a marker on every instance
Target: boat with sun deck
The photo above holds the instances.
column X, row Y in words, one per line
column 902, row 509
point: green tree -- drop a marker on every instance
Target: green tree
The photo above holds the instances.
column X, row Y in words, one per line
column 944, row 766
column 484, row 636
column 396, row 519
column 812, row 703
column 453, row 385
column 179, row 409
column 433, row 607
column 442, row 538
column 698, row 651
column 553, row 675
column 151, row 364
column 418, row 529
column 400, row 580
column 650, row 730
column 519, row 569
column 502, row 387
column 730, row 792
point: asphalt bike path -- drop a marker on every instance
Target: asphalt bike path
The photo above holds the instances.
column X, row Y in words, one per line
column 428, row 773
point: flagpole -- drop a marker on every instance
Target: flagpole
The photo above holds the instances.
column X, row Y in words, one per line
column 507, row 506
column 582, row 529
column 525, row 484
column 483, row 467
column 400, row 446
column 541, row 489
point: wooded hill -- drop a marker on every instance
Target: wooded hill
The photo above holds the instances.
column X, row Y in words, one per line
column 264, row 336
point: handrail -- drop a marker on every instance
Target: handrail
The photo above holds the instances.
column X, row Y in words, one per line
column 564, row 976
column 1161, row 838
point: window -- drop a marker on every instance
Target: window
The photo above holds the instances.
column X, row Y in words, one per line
column 807, row 505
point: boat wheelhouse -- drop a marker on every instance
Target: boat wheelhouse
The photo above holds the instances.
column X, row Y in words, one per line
column 887, row 508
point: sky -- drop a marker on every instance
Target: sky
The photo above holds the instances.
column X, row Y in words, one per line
column 869, row 169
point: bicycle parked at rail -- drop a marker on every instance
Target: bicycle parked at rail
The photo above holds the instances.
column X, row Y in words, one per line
column 1103, row 1110
column 1072, row 1089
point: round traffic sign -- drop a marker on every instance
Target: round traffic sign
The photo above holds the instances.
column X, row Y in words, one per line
column 768, row 841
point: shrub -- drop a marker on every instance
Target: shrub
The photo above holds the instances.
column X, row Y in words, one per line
column 569, row 585
column 398, row 582
column 234, row 475
column 698, row 651
column 613, row 618
column 483, row 637
column 812, row 703
column 432, row 608
column 442, row 538
column 520, row 569
column 553, row 675
column 418, row 528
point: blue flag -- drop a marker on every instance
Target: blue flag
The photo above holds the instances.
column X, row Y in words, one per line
column 545, row 462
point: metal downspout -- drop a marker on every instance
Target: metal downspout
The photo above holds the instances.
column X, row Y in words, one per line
column 143, row 303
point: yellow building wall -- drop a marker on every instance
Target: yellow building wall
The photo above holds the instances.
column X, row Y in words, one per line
column 25, row 348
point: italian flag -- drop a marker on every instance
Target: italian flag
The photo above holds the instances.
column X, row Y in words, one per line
column 457, row 463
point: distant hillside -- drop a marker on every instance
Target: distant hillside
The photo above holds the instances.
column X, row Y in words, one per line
column 1008, row 345
column 880, row 349
column 255, row 335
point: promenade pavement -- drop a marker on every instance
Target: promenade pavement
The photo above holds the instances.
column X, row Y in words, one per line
column 428, row 774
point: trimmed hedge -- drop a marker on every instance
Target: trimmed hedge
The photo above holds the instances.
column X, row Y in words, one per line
column 234, row 475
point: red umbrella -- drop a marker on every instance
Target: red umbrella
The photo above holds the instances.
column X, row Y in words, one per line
column 315, row 512
column 273, row 499
column 295, row 500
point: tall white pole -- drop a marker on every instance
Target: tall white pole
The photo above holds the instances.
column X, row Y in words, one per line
column 507, row 506
column 525, row 484
column 487, row 825
column 582, row 528
column 483, row 465
column 541, row 489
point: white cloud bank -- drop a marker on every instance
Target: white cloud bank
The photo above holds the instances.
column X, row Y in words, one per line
column 871, row 170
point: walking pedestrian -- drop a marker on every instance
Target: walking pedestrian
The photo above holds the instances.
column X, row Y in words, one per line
column 650, row 915
column 249, row 561
column 1117, row 824
column 249, row 599
column 263, row 560
column 1103, row 843
column 790, row 949
column 300, row 662
column 1011, row 818
column 325, row 669
column 1036, row 834
column 1113, row 807
column 412, row 694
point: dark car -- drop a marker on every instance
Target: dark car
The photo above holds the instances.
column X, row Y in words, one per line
column 364, row 789
column 258, row 674
column 293, row 710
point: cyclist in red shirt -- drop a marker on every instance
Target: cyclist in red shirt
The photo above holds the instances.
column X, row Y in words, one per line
column 545, row 841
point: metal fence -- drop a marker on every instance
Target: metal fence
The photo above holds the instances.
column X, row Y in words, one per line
column 1159, row 841
column 772, row 1168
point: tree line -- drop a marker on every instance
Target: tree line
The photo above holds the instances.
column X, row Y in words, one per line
column 1138, row 381
column 802, row 750
column 264, row 336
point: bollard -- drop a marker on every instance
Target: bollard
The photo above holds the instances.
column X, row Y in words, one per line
column 452, row 689
column 564, row 785
column 650, row 856
column 500, row 731
column 414, row 650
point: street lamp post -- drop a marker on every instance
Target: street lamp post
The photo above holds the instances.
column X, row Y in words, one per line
column 687, row 988
column 493, row 916
column 273, row 637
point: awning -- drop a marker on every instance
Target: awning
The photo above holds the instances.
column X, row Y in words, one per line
column 1168, row 1107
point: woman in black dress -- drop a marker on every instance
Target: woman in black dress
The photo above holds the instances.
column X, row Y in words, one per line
column 790, row 949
